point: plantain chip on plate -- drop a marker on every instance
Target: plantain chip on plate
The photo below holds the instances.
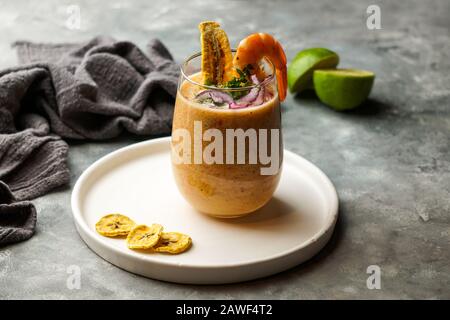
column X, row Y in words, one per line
column 144, row 237
column 113, row 225
column 173, row 242
column 217, row 58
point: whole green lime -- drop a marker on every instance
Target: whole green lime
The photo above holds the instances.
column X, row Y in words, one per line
column 301, row 68
column 343, row 89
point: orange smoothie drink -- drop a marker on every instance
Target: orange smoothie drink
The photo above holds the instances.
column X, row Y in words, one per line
column 227, row 146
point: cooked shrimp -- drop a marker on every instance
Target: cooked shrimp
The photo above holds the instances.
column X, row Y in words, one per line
column 257, row 46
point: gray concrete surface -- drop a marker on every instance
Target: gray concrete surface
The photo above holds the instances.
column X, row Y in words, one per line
column 389, row 160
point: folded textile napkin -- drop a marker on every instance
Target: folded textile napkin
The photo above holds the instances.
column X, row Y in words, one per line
column 90, row 91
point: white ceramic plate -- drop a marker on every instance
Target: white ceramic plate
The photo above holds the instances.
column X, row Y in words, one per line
column 137, row 181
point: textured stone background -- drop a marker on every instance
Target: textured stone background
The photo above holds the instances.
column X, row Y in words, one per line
column 389, row 160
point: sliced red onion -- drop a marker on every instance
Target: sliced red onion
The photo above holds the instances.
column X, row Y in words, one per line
column 260, row 98
column 249, row 97
column 255, row 79
column 252, row 95
column 216, row 96
column 255, row 97
column 235, row 105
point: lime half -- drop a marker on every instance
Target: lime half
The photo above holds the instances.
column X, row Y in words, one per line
column 300, row 70
column 343, row 89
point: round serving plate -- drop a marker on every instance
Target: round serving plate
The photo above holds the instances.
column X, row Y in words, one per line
column 137, row 181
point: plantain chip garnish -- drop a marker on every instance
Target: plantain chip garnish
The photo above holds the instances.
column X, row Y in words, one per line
column 114, row 225
column 141, row 236
column 217, row 59
column 144, row 237
column 173, row 242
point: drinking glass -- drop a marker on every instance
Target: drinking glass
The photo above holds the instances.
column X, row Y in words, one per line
column 242, row 175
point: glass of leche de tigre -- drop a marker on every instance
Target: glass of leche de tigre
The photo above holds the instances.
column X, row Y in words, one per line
column 227, row 147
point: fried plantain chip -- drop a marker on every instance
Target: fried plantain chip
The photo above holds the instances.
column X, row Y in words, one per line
column 173, row 242
column 225, row 60
column 144, row 237
column 209, row 51
column 205, row 25
column 113, row 225
column 217, row 59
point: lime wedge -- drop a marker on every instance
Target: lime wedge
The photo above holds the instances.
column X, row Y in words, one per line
column 343, row 89
column 300, row 70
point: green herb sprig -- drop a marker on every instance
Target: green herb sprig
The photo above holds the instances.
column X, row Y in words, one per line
column 242, row 81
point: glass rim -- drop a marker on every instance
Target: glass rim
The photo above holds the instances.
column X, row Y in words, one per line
column 195, row 55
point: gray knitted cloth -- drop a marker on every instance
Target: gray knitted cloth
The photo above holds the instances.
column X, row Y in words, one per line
column 91, row 91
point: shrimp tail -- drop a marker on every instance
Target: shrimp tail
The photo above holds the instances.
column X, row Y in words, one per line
column 257, row 46
column 281, row 74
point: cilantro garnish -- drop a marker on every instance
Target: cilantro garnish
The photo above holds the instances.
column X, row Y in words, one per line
column 242, row 81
